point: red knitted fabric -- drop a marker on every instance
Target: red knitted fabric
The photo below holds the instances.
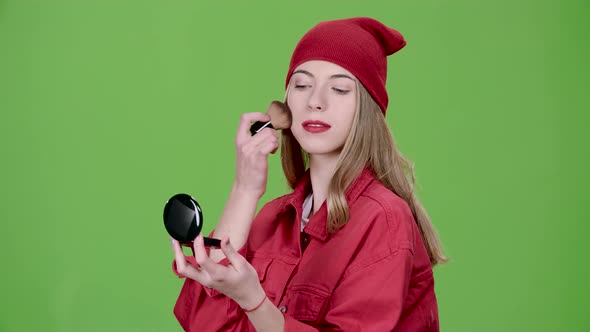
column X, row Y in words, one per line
column 359, row 44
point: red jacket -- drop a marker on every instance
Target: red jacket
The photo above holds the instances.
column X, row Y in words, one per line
column 374, row 274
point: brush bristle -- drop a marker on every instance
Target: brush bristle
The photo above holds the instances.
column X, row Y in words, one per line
column 280, row 115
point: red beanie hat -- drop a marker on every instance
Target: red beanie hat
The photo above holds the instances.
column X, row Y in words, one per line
column 360, row 44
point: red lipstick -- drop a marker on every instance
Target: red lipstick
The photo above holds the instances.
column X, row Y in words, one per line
column 315, row 126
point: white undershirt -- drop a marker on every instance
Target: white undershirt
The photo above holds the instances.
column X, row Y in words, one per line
column 307, row 205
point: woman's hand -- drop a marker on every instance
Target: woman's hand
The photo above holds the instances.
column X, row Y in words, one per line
column 252, row 154
column 238, row 281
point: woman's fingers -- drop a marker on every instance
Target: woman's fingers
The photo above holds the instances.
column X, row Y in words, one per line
column 269, row 147
column 214, row 270
column 235, row 259
column 246, row 121
column 209, row 273
column 182, row 266
column 252, row 154
column 236, row 281
column 262, row 143
column 269, row 143
column 178, row 254
column 266, row 135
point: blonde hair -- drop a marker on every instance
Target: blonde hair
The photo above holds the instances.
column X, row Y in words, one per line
column 371, row 143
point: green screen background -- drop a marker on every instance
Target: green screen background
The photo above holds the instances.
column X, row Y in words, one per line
column 108, row 108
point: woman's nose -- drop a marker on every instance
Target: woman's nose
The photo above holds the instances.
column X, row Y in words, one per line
column 316, row 101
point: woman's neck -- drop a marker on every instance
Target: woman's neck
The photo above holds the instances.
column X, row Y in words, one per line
column 321, row 169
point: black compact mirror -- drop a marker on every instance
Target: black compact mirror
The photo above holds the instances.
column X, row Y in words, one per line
column 183, row 220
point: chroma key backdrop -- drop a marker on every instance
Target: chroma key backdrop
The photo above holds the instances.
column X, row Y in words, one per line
column 108, row 108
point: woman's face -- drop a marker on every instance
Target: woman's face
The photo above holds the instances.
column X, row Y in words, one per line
column 322, row 99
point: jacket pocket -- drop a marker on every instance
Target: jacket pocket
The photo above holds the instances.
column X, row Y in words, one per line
column 261, row 266
column 306, row 303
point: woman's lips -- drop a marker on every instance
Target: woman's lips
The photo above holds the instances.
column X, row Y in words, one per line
column 314, row 126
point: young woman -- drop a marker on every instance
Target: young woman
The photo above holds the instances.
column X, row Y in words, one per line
column 351, row 248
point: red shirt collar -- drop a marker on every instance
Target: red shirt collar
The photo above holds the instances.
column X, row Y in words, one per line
column 317, row 226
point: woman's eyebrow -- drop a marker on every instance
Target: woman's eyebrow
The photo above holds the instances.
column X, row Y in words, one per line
column 331, row 77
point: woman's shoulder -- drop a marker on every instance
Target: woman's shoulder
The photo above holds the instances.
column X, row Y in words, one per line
column 385, row 201
column 273, row 208
column 277, row 203
column 385, row 224
column 389, row 215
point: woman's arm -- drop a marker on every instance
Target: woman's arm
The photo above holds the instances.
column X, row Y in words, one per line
column 249, row 184
column 267, row 318
column 236, row 220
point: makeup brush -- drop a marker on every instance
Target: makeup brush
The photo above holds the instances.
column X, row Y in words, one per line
column 280, row 118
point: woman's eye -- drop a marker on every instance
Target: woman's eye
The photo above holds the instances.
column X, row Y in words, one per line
column 300, row 86
column 340, row 91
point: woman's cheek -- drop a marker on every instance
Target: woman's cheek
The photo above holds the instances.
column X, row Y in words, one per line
column 296, row 129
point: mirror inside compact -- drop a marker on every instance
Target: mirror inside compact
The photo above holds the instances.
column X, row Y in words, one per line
column 183, row 219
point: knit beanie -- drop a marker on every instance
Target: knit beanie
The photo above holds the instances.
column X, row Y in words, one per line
column 359, row 44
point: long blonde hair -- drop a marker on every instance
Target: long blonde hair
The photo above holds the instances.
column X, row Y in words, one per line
column 369, row 143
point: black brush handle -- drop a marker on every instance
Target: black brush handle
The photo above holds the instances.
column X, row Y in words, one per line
column 259, row 125
column 211, row 242
column 207, row 241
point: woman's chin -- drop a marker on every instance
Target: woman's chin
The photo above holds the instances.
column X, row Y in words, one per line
column 322, row 150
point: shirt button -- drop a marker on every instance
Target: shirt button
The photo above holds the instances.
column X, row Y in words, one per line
column 283, row 308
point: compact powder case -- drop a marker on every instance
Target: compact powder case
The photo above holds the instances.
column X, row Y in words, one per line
column 183, row 219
